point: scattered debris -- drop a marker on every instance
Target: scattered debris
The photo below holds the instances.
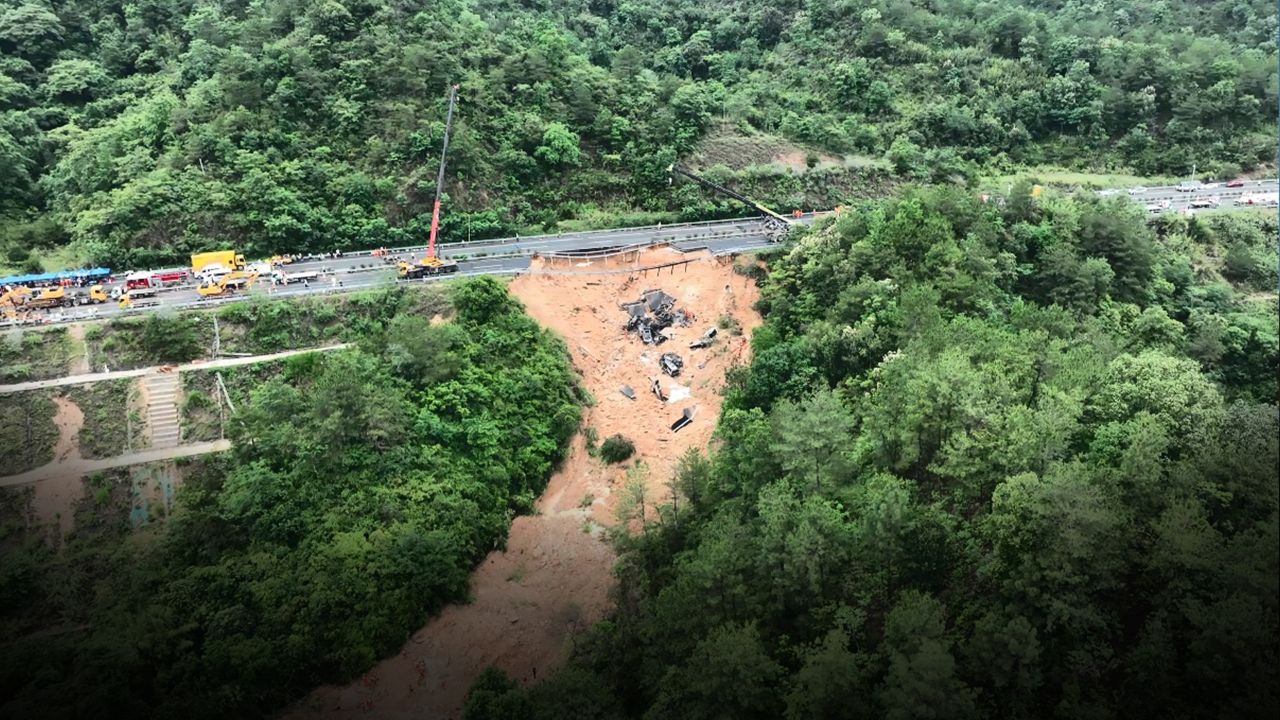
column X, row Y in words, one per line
column 656, row 386
column 684, row 420
column 626, row 390
column 705, row 340
column 678, row 393
column 671, row 364
column 653, row 314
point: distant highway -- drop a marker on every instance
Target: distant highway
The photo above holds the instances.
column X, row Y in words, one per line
column 1228, row 198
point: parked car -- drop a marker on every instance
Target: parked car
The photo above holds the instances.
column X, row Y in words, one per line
column 1235, row 183
column 1137, row 190
column 1189, row 186
column 1107, row 193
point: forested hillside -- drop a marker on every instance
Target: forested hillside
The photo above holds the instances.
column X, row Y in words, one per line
column 362, row 488
column 133, row 133
column 986, row 462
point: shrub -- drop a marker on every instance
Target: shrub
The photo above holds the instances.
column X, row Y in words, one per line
column 616, row 449
column 729, row 324
column 197, row 400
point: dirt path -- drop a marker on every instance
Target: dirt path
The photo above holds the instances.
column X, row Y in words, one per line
column 197, row 365
column 55, row 500
column 554, row 578
column 79, row 362
column 75, row 467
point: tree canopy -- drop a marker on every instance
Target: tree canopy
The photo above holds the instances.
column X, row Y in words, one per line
column 142, row 131
column 362, row 488
column 987, row 461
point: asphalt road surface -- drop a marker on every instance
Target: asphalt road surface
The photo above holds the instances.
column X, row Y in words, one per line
column 1154, row 198
column 360, row 270
column 357, row 270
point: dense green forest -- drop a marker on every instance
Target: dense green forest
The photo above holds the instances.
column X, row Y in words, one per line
column 1013, row 461
column 362, row 487
column 132, row 133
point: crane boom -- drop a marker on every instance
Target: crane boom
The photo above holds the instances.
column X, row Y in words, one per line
column 435, row 209
column 677, row 170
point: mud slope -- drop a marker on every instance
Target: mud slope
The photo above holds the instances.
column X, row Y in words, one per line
column 554, row 578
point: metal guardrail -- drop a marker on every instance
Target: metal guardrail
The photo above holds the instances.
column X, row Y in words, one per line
column 445, row 247
column 520, row 251
column 339, row 289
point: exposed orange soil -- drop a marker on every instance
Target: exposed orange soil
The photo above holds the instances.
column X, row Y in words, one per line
column 56, row 497
column 553, row 580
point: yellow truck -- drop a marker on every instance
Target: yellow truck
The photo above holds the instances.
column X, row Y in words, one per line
column 221, row 260
column 135, row 297
column 94, row 295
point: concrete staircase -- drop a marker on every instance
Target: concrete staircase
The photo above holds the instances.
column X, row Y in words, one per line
column 162, row 409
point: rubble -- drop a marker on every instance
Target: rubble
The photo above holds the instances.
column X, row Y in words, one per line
column 705, row 340
column 653, row 314
column 626, row 390
column 656, row 387
column 685, row 419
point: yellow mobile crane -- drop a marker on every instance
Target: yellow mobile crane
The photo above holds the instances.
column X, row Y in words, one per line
column 229, row 283
column 50, row 297
column 13, row 301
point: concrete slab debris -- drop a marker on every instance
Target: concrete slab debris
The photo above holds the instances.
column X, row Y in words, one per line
column 626, row 390
column 685, row 419
column 656, row 300
column 678, row 393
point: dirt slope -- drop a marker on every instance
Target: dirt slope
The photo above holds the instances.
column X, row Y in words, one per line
column 56, row 498
column 553, row 580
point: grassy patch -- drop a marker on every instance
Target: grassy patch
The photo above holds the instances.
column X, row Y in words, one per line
column 266, row 325
column 35, row 354
column 157, row 339
column 1073, row 179
column 203, row 410
column 257, row 326
column 593, row 218
column 27, row 432
column 111, row 426
column 733, row 150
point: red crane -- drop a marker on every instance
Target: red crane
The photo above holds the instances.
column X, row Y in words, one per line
column 435, row 210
